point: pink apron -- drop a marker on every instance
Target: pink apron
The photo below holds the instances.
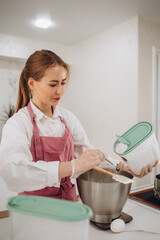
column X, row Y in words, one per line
column 53, row 149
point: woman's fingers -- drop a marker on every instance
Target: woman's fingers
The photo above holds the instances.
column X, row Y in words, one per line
column 98, row 154
column 149, row 168
column 123, row 166
column 156, row 162
column 144, row 171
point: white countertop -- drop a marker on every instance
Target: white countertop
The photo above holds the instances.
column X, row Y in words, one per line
column 144, row 226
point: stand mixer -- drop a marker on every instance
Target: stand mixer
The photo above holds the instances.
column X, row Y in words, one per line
column 105, row 196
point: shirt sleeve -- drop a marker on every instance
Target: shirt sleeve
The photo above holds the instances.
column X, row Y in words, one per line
column 17, row 169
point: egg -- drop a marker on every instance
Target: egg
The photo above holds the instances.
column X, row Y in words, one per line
column 117, row 225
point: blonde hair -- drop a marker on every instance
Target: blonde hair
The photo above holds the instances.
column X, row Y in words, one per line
column 35, row 67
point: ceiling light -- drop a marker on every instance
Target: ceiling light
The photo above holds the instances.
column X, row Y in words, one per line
column 43, row 23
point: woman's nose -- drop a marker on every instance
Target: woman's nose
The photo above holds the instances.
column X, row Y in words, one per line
column 60, row 89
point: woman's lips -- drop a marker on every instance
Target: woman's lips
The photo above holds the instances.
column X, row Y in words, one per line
column 57, row 99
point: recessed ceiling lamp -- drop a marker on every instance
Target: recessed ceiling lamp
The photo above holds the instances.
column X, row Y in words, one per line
column 43, row 23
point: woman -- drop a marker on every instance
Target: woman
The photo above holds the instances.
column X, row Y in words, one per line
column 43, row 145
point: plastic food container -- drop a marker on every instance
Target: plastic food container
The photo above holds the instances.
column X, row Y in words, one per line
column 138, row 146
column 34, row 217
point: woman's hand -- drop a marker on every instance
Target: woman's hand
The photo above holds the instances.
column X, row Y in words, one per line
column 87, row 160
column 144, row 171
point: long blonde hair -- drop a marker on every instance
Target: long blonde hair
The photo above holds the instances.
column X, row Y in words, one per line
column 35, row 67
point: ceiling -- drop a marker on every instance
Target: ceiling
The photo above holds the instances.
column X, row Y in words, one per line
column 75, row 20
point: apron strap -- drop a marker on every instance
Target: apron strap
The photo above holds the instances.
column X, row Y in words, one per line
column 64, row 122
column 36, row 136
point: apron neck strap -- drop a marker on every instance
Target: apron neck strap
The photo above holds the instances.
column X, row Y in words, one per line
column 32, row 114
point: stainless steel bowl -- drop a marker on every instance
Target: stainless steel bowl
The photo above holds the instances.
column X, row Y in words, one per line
column 103, row 194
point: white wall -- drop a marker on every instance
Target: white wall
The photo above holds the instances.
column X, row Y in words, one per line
column 103, row 89
column 16, row 47
column 148, row 36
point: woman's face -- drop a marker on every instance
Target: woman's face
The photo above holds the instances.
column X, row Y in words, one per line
column 48, row 91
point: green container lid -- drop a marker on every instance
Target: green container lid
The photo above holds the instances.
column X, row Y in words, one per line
column 134, row 137
column 51, row 208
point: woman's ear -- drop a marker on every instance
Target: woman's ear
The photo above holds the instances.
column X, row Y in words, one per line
column 31, row 83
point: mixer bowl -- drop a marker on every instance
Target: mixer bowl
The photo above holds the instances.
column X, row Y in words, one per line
column 103, row 194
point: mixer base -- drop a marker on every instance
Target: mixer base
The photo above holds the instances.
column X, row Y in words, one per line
column 105, row 226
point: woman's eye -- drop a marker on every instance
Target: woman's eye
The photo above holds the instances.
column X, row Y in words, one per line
column 53, row 85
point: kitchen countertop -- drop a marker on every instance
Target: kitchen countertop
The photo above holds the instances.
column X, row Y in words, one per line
column 145, row 225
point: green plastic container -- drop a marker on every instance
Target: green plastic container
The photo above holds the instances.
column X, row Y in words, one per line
column 35, row 217
column 138, row 146
column 134, row 136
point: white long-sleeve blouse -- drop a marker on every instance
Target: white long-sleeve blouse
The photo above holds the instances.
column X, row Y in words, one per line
column 16, row 163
